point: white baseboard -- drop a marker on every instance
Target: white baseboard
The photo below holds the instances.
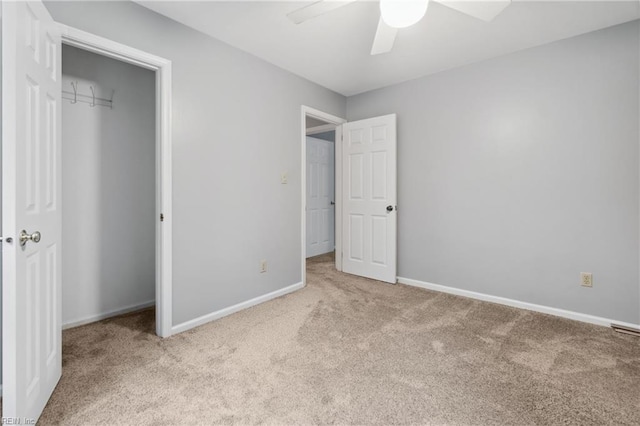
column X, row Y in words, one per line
column 577, row 316
column 233, row 309
column 109, row 314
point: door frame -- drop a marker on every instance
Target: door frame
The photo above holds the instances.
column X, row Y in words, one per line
column 162, row 68
column 337, row 121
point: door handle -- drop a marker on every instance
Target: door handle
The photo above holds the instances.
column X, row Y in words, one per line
column 25, row 236
column 389, row 208
column 333, row 203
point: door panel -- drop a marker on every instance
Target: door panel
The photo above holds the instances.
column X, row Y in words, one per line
column 356, row 184
column 32, row 354
column 320, row 196
column 355, row 242
column 369, row 187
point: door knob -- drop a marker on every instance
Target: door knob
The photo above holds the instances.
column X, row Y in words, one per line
column 25, row 236
column 389, row 208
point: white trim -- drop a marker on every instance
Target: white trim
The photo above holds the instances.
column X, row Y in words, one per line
column 335, row 122
column 109, row 48
column 235, row 308
column 108, row 314
column 162, row 67
column 577, row 316
column 320, row 129
column 338, row 196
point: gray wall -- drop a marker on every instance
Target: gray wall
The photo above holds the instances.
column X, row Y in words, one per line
column 518, row 173
column 236, row 128
column 108, row 176
column 515, row 174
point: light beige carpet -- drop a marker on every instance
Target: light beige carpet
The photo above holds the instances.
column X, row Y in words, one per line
column 348, row 350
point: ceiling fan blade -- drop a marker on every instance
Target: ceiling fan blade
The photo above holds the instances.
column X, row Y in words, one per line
column 485, row 10
column 316, row 9
column 384, row 39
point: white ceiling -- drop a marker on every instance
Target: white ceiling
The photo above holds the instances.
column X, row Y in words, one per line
column 333, row 49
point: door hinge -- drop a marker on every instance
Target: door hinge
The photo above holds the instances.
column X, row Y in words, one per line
column 161, row 217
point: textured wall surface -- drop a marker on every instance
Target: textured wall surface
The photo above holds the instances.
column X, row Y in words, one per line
column 520, row 172
column 236, row 128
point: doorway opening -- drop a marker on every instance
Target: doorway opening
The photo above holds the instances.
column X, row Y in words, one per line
column 365, row 192
column 108, row 180
column 321, row 189
column 32, row 197
column 116, row 118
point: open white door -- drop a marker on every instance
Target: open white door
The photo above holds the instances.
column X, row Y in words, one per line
column 320, row 197
column 31, row 321
column 369, row 198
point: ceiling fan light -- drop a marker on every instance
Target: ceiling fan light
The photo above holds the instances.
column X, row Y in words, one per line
column 402, row 13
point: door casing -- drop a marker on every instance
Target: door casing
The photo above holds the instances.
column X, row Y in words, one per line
column 162, row 68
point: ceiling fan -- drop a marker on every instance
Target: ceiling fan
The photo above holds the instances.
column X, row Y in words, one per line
column 397, row 14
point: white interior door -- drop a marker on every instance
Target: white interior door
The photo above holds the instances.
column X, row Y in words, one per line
column 320, row 196
column 369, row 198
column 31, row 321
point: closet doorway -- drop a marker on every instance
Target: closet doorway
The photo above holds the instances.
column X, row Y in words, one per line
column 32, row 196
column 321, row 138
column 116, row 181
column 321, row 189
column 108, row 181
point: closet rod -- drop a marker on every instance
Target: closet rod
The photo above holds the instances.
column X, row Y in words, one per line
column 86, row 99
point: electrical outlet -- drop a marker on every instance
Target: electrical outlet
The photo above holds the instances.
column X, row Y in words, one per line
column 284, row 178
column 263, row 266
column 586, row 279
